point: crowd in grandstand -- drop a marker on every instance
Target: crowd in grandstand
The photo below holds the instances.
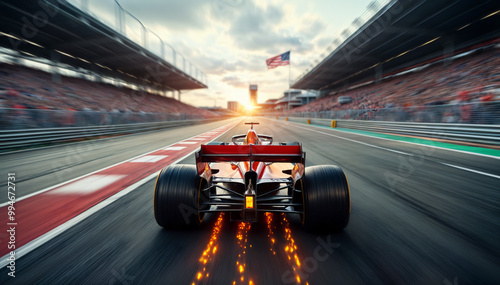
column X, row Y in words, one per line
column 461, row 82
column 29, row 97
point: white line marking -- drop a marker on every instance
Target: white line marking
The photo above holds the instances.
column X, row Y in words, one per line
column 85, row 175
column 188, row 142
column 149, row 158
column 421, row 144
column 198, row 139
column 472, row 170
column 88, row 184
column 32, row 245
column 363, row 143
column 175, row 148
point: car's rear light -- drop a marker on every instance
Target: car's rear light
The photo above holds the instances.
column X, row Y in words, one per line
column 249, row 202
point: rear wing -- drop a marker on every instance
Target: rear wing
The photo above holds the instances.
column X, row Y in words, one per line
column 264, row 153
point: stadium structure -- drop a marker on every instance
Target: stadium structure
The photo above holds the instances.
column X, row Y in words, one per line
column 400, row 36
column 65, row 35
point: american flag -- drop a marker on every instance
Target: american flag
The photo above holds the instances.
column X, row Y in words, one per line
column 279, row 60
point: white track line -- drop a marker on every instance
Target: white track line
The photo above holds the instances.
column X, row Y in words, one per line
column 93, row 172
column 88, row 184
column 472, row 170
column 175, row 148
column 32, row 245
column 149, row 158
column 363, row 143
column 414, row 143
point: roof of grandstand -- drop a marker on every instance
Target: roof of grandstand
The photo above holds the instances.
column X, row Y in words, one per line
column 58, row 31
column 403, row 34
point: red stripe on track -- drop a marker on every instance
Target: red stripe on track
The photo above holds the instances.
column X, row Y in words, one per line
column 41, row 213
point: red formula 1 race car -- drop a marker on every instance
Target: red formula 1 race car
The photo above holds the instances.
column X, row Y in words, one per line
column 248, row 176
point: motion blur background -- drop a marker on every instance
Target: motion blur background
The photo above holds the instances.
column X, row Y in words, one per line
column 85, row 62
column 88, row 71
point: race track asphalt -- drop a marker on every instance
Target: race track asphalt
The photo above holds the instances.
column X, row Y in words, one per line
column 420, row 215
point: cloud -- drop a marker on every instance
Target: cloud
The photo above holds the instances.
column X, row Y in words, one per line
column 229, row 40
column 221, row 66
column 324, row 42
column 234, row 81
column 225, row 9
column 176, row 15
column 311, row 27
column 255, row 28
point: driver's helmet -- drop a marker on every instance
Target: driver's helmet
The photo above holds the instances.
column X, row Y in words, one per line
column 251, row 137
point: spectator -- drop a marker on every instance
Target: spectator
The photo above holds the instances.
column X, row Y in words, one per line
column 25, row 88
column 431, row 86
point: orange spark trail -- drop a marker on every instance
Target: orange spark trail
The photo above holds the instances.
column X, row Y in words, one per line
column 209, row 253
column 242, row 238
column 270, row 232
column 290, row 249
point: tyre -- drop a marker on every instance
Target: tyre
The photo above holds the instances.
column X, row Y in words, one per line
column 177, row 197
column 326, row 199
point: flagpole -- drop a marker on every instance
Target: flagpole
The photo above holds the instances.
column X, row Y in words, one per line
column 289, row 78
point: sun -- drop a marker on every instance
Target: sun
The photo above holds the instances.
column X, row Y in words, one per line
column 249, row 107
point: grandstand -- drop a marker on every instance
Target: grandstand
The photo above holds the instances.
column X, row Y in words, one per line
column 476, row 73
column 401, row 35
column 34, row 89
column 412, row 53
column 61, row 36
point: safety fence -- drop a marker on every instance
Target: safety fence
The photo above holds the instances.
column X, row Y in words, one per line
column 476, row 133
column 16, row 119
column 467, row 113
column 15, row 139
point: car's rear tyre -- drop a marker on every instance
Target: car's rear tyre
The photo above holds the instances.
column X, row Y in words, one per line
column 327, row 201
column 177, row 197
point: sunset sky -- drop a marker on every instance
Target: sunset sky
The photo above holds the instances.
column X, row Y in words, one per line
column 229, row 40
